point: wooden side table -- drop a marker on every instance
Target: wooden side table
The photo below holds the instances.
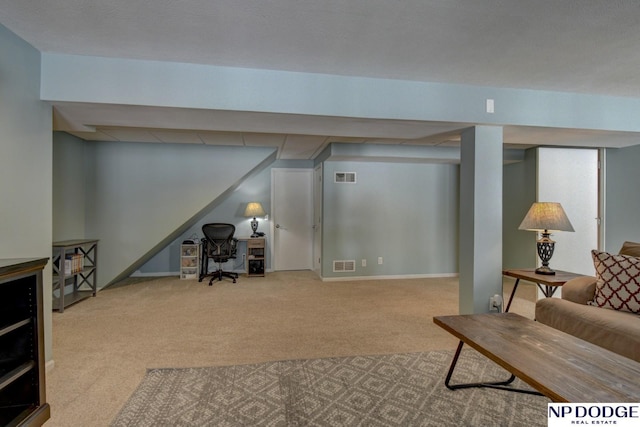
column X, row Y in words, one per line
column 548, row 284
column 255, row 256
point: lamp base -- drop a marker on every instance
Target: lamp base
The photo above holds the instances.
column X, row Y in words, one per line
column 545, row 252
column 545, row 270
column 254, row 227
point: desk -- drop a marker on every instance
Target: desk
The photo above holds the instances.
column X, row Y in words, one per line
column 550, row 282
column 256, row 247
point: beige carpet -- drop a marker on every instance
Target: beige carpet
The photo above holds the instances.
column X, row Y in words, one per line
column 103, row 346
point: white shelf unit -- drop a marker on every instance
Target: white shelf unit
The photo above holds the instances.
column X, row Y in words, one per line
column 189, row 260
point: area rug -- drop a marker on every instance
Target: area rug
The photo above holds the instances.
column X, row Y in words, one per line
column 385, row 390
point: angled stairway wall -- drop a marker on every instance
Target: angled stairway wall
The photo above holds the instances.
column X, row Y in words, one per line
column 140, row 196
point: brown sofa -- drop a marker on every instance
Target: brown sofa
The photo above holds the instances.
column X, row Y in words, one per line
column 618, row 331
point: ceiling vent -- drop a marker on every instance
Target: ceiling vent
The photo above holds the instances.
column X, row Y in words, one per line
column 344, row 266
column 344, row 178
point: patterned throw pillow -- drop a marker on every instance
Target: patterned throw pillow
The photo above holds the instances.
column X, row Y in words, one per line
column 618, row 285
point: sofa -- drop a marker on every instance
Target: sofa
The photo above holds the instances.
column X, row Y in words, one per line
column 605, row 309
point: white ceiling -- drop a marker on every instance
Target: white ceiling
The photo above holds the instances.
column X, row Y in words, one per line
column 584, row 46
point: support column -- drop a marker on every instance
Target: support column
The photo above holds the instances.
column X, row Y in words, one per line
column 480, row 268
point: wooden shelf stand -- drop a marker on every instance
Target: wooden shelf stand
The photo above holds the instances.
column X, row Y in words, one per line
column 80, row 276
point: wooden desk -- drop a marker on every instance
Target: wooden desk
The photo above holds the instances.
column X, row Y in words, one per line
column 558, row 365
column 550, row 282
column 256, row 255
column 256, row 247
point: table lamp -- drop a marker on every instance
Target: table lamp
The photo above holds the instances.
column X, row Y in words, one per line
column 254, row 209
column 544, row 217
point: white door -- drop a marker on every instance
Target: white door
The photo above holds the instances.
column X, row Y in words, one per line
column 317, row 218
column 570, row 176
column 292, row 209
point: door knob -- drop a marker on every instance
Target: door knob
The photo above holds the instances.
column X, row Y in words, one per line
column 277, row 225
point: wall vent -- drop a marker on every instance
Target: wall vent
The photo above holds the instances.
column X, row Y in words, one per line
column 344, row 178
column 344, row 266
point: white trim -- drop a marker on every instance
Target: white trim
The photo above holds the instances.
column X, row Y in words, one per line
column 165, row 274
column 316, row 250
column 389, row 277
column 177, row 273
column 602, row 197
column 48, row 366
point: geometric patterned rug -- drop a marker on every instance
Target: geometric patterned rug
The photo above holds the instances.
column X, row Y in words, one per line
column 387, row 390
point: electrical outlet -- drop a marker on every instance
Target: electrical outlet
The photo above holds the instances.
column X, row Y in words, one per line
column 379, row 260
column 364, row 262
column 495, row 303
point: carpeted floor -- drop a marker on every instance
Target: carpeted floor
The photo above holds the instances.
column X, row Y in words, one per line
column 388, row 390
column 103, row 346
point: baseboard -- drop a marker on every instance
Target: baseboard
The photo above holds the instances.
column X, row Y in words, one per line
column 165, row 274
column 388, row 277
column 324, row 279
column 177, row 273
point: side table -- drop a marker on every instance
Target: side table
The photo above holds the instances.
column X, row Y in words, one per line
column 548, row 284
column 255, row 256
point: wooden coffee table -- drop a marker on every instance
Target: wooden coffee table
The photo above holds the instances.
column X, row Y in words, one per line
column 557, row 365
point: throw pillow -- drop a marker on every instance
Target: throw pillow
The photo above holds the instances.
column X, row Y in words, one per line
column 618, row 282
column 631, row 249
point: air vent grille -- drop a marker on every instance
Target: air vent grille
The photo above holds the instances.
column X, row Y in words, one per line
column 344, row 266
column 345, row 178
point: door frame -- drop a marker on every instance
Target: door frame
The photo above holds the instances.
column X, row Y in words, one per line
column 318, row 187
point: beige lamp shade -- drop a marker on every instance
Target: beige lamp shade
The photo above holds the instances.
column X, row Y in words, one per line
column 254, row 209
column 546, row 216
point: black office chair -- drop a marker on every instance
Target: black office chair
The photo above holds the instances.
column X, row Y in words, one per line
column 219, row 245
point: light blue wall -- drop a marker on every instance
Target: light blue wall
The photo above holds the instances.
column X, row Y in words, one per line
column 25, row 162
column 622, row 220
column 519, row 192
column 481, row 177
column 257, row 188
column 405, row 213
column 140, row 197
column 137, row 82
column 68, row 187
